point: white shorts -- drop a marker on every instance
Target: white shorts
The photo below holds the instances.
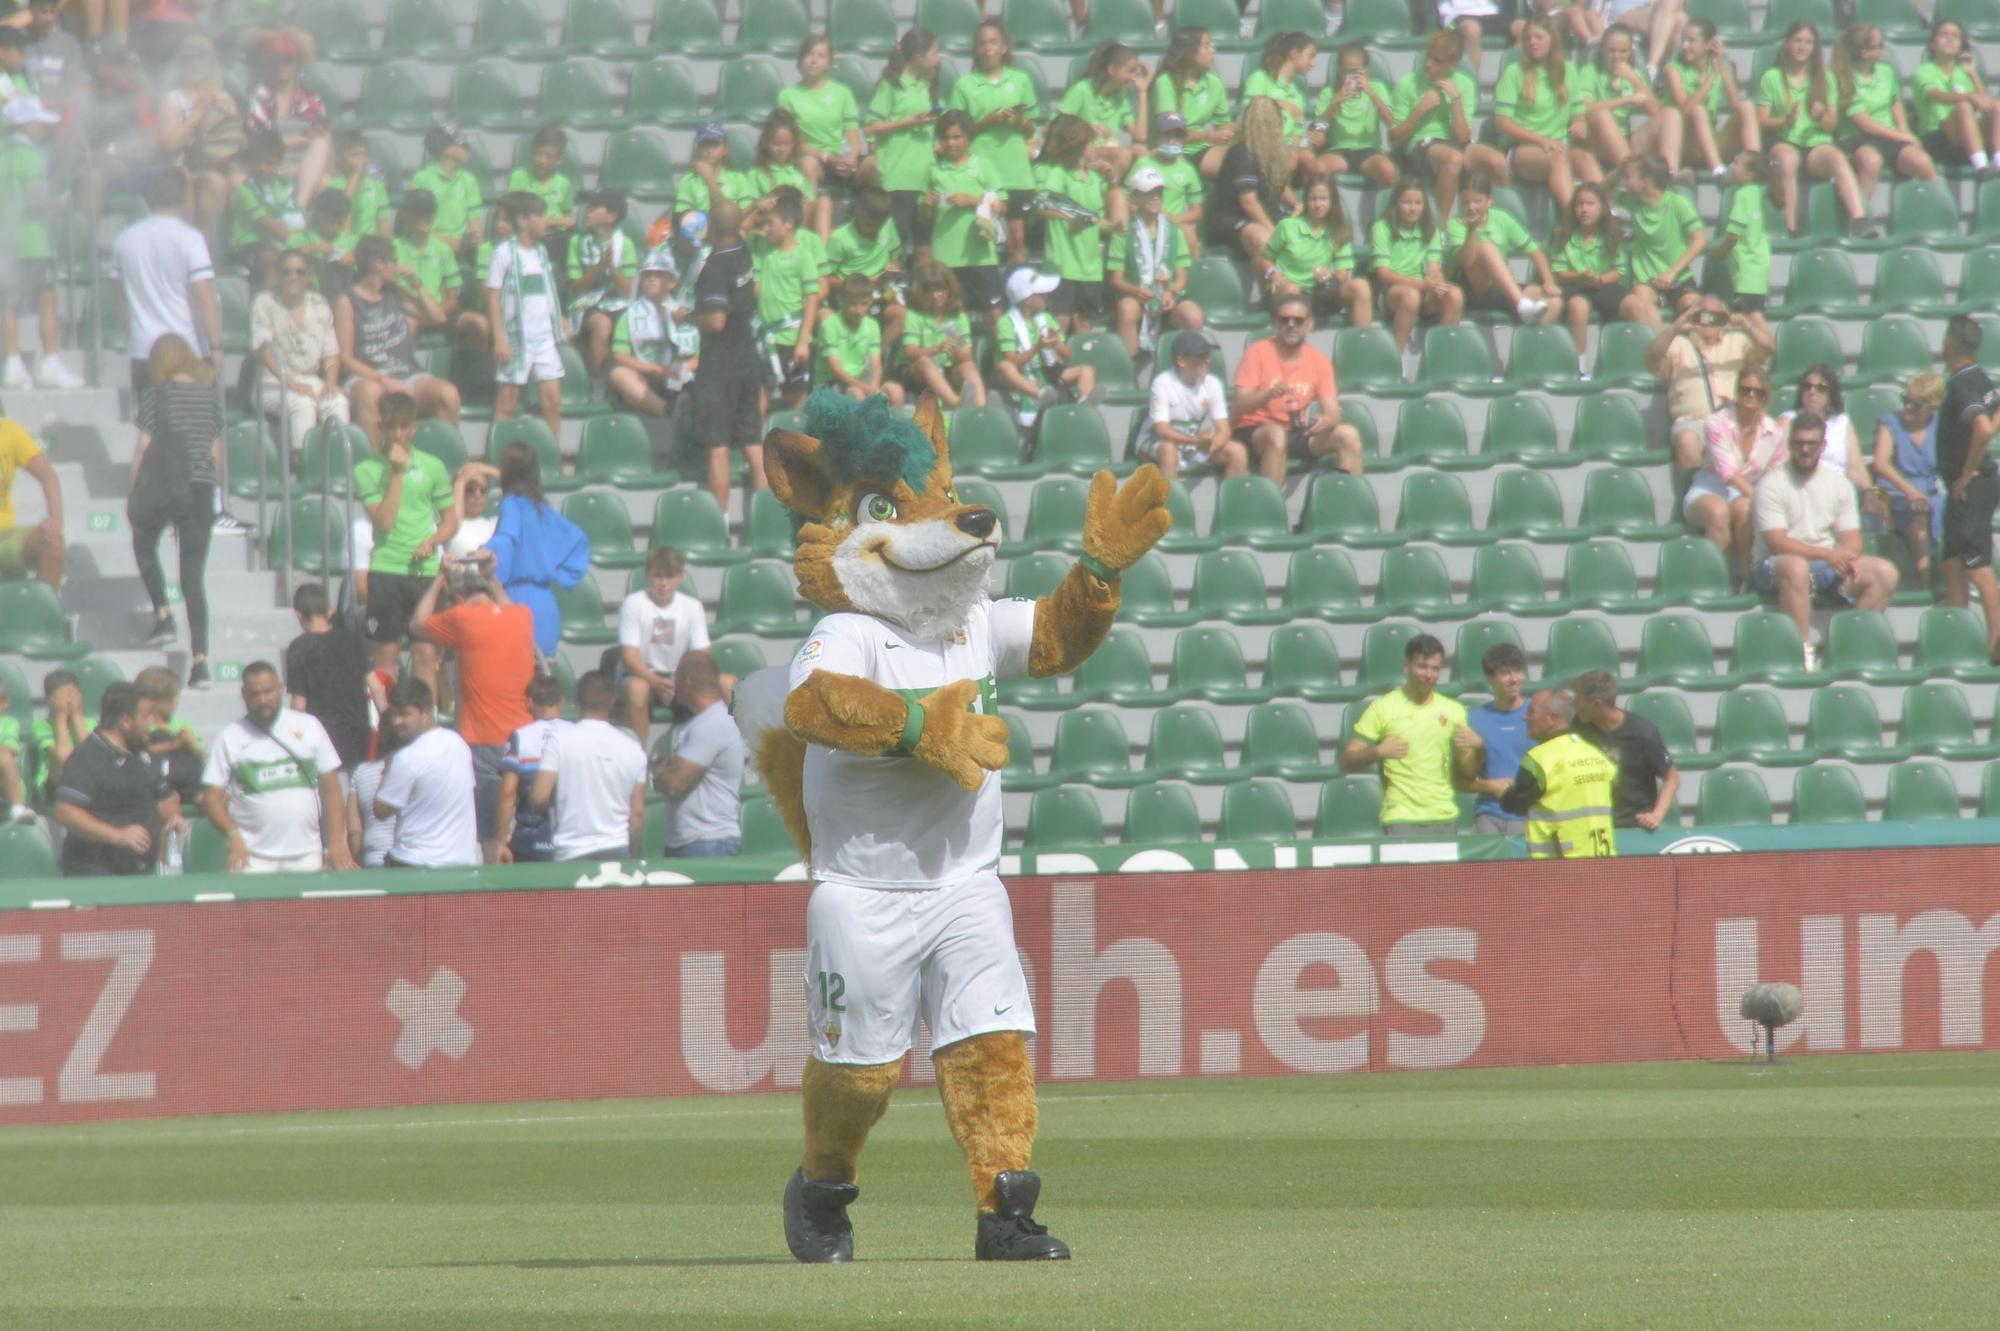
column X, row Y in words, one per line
column 303, row 864
column 1148, row 449
column 538, row 362
column 877, row 961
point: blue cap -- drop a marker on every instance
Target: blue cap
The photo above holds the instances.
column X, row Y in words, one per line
column 709, row 131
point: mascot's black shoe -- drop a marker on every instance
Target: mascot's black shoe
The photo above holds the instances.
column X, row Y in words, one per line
column 1011, row 1234
column 816, row 1228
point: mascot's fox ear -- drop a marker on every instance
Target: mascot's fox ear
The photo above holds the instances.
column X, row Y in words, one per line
column 797, row 470
column 930, row 419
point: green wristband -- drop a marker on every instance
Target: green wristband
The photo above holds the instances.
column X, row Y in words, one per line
column 1097, row 568
column 913, row 729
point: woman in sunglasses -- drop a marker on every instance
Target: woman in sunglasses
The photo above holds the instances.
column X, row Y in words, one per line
column 293, row 326
column 1743, row 443
column 1906, row 466
column 1819, row 392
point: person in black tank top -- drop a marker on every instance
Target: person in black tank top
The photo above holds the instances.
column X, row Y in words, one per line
column 377, row 356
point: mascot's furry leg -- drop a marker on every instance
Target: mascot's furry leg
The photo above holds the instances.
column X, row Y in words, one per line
column 842, row 1102
column 987, row 1084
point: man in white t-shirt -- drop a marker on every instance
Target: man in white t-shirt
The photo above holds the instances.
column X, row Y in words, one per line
column 655, row 627
column 527, row 322
column 428, row 786
column 592, row 779
column 702, row 775
column 163, row 269
column 1808, row 541
column 1189, row 414
column 271, row 785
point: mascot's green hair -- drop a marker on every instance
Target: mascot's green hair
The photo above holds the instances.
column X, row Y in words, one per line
column 868, row 438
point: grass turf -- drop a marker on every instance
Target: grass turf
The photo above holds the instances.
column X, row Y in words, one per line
column 1823, row 1192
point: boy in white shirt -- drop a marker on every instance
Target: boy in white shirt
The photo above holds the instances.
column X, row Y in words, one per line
column 655, row 628
column 527, row 321
column 1190, row 411
column 427, row 787
column 592, row 781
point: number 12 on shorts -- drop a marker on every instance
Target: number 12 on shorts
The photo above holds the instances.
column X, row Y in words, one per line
column 832, row 989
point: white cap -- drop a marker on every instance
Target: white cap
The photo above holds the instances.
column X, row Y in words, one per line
column 26, row 109
column 1147, row 179
column 1028, row 282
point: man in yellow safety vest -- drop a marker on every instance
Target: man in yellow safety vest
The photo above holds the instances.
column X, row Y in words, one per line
column 1564, row 785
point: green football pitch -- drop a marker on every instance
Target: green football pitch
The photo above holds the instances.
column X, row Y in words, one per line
column 1861, row 1191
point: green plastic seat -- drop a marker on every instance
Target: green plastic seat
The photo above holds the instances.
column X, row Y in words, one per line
column 758, row 598
column 748, row 89
column 1732, row 797
column 1924, row 210
column 738, row 656
column 1161, row 814
column 441, row 439
column 1750, row 726
column 1257, row 810
column 1382, row 654
column 1828, row 793
column 1937, row 719
column 94, row 674
column 1119, row 671
column 1019, row 774
column 1693, row 572
column 1619, row 501
column 688, row 27
column 1507, row 576
column 985, row 442
column 1899, row 20
column 1768, row 646
column 245, row 443
column 974, row 490
column 1893, row 347
column 1676, row 649
column 339, row 29
column 33, row 624
column 1599, row 573
column 1989, row 791
column 1621, row 358
column 1435, row 507
column 1576, row 646
column 1458, row 357
column 868, row 26
column 1250, row 510
column 1414, row 581
column 323, row 463
column 1369, row 362
column 773, row 25
column 1072, row 438
column 1908, row 278
column 1281, row 739
column 20, row 698
column 1187, row 742
column 1843, row 721
column 764, row 831
column 483, row 95
column 1321, row 582
column 1822, row 281
column 582, row 610
column 1116, row 374
column 1920, row 790
column 663, row 91
column 640, row 162
column 691, row 521
column 1343, row 509
column 1475, row 639
column 1804, row 340
column 1861, row 645
column 421, row 29
column 605, row 521
column 1037, row 25
column 1064, row 816
column 1350, row 808
column 1613, row 426
column 1302, row 661
column 1522, row 429
column 1979, row 280
column 1215, row 284
column 1951, row 640
column 600, row 27
column 1036, row 575
column 1543, row 357
column 1668, row 711
column 954, row 22
column 575, row 92
column 534, row 432
column 1980, row 18
column 1229, row 584
column 513, row 28
column 395, row 95
column 617, row 450
column 1430, row 431
column 1055, row 515
column 1091, row 748
column 770, row 531
column 312, row 518
column 1208, row 663
column 25, row 852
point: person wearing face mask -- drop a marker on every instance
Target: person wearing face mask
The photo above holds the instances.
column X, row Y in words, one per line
column 1180, row 178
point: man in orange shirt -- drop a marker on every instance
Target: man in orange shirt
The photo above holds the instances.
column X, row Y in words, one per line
column 1279, row 382
column 495, row 642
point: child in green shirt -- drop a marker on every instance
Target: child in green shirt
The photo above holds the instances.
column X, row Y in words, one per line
column 1700, row 84
column 963, row 201
column 1351, row 113
column 937, row 340
column 788, row 297
column 829, row 123
column 1282, row 66
column 1185, row 194
column 701, row 184
column 1070, row 198
column 848, row 345
column 1001, row 108
column 1147, row 266
column 13, row 788
column 25, row 204
column 777, row 166
column 868, row 245
column 900, row 114
column 1313, row 255
column 456, row 190
column 328, row 242
column 1612, row 92
column 1478, row 245
column 1534, row 105
column 543, row 176
column 1586, row 255
column 1874, row 130
column 1798, row 108
column 263, row 213
column 603, row 267
column 1187, row 86
column 652, row 353
column 53, row 740
column 1959, row 122
column 1111, row 99
column 430, row 272
column 1432, row 110
column 361, row 181
column 1408, row 255
column 1667, row 237
column 1033, row 360
column 1745, row 245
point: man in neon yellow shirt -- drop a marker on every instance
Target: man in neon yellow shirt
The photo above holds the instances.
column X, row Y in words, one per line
column 1419, row 736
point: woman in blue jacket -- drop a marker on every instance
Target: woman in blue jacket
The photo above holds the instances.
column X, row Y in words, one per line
column 535, row 548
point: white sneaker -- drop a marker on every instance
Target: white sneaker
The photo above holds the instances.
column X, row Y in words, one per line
column 52, row 373
column 1026, row 417
column 225, row 525
column 1530, row 309
column 15, row 378
column 1812, row 659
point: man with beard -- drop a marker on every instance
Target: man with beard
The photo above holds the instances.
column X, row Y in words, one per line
column 272, row 785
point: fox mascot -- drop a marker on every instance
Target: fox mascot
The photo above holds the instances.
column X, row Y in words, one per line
column 886, row 771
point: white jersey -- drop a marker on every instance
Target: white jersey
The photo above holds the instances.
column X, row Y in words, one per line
column 271, row 780
column 895, row 822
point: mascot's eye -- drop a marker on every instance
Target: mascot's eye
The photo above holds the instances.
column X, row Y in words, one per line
column 875, row 507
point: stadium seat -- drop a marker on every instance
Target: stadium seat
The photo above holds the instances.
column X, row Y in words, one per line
column 421, row 29
column 985, row 442
column 769, row 534
column 1613, row 426
column 1322, row 583
column 1208, row 663
column 1072, row 437
column 1899, row 20
column 33, row 624
column 1036, row 575
column 1861, row 645
column 513, row 28
column 1186, row 742
column 1281, row 739
column 1543, row 358
column 737, row 656
column 25, row 852
column 1768, row 646
column 1216, row 284
column 617, row 450
column 1474, row 640
column 1055, row 515
column 1343, row 509
column 94, row 674
column 1091, row 748
column 688, row 27
column 1064, row 816
column 600, row 28
column 1989, row 790
column 1842, row 721
column 1369, row 362
column 1893, row 347
column 1920, row 790
column 953, row 22
column 395, row 95
column 1382, row 654
column 1750, row 726
column 1621, row 358
column 250, row 447
column 1618, row 501
column 582, row 610
column 575, row 93
column 441, row 440
column 484, row 96
column 1304, row 16
column 764, row 829
column 1925, row 210
column 759, row 598
column 773, row 25
column 1822, row 281
column 1220, row 18
column 1732, row 797
column 1693, row 572
column 1937, row 720
column 1599, row 573
column 1037, row 25
column 1430, row 432
column 339, row 29
column 1522, row 429
column 1435, row 507
column 1257, row 810
column 1980, row 18
column 1458, row 357
column 1229, row 584
column 1350, row 808
column 1828, row 793
column 692, row 522
column 1119, row 671
column 1804, row 340
column 1019, row 775
column 1161, row 814
column 313, row 521
column 663, row 92
column 534, row 432
column 1676, row 649
column 1250, row 510
column 20, row 698
column 1303, row 662
column 640, row 162
column 1908, row 278
column 1116, row 374
column 1507, row 576
column 1575, row 646
column 606, row 522
column 1415, row 581
column 1951, row 640
column 1668, row 711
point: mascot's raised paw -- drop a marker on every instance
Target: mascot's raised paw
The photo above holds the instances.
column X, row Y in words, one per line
column 1121, row 524
column 959, row 742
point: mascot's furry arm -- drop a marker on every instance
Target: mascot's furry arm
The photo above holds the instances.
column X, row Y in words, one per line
column 860, row 716
column 1119, row 527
